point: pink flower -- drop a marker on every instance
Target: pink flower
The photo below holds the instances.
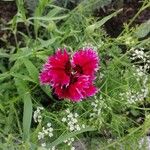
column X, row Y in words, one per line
column 86, row 61
column 80, row 88
column 71, row 79
column 57, row 69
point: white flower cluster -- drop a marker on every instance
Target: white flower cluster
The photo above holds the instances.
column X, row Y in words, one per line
column 140, row 71
column 139, row 53
column 53, row 148
column 144, row 58
column 144, row 142
column 133, row 96
column 37, row 115
column 48, row 131
column 72, row 122
column 101, row 76
column 69, row 142
column 97, row 107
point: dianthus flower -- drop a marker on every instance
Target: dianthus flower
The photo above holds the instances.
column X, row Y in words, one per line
column 71, row 78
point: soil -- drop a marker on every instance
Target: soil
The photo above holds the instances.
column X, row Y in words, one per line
column 113, row 27
column 130, row 7
column 7, row 10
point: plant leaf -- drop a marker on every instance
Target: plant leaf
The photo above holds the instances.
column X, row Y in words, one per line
column 47, row 18
column 23, row 77
column 33, row 71
column 143, row 30
column 27, row 111
column 64, row 137
column 98, row 24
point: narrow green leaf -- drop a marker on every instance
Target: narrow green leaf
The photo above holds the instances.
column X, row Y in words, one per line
column 98, row 24
column 4, row 55
column 47, row 18
column 4, row 75
column 64, row 137
column 2, row 108
column 22, row 53
column 42, row 55
column 33, row 71
column 45, row 43
column 23, row 77
column 27, row 112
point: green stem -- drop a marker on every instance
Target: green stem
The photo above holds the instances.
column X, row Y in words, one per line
column 16, row 40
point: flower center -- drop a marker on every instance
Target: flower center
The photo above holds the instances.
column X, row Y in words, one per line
column 68, row 68
column 72, row 72
column 78, row 69
column 73, row 79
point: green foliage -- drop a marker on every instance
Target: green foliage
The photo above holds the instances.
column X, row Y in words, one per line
column 52, row 26
column 27, row 111
column 90, row 29
column 143, row 30
column 31, row 5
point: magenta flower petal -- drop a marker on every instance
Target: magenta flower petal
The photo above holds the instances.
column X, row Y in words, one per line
column 56, row 70
column 86, row 61
column 78, row 90
column 71, row 80
column 91, row 90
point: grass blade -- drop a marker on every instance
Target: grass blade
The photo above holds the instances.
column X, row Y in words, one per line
column 64, row 137
column 27, row 112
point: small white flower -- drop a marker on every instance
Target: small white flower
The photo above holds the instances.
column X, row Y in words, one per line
column 83, row 125
column 41, row 108
column 72, row 139
column 64, row 119
column 50, row 129
column 65, row 141
column 50, row 134
column 78, row 127
column 67, row 111
column 76, row 115
column 95, row 109
column 49, row 124
column 53, row 148
column 92, row 103
column 45, row 132
column 70, row 115
column 40, row 135
column 39, row 120
column 37, row 115
column 71, row 128
column 96, row 101
column 70, row 123
column 43, row 144
column 74, row 120
column 69, row 143
column 72, row 148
